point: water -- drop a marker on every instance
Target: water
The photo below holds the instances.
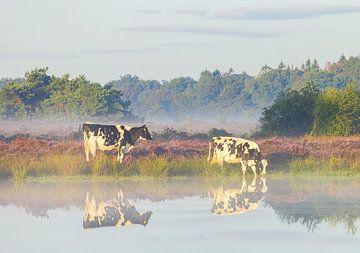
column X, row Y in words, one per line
column 312, row 215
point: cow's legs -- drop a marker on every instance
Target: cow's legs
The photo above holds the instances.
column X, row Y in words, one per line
column 264, row 187
column 264, row 165
column 221, row 162
column 253, row 168
column 243, row 167
column 214, row 158
column 86, row 147
column 87, row 151
column 252, row 187
column 243, row 185
column 120, row 156
column 209, row 157
column 92, row 147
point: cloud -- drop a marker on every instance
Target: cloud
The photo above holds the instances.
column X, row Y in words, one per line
column 200, row 30
column 269, row 12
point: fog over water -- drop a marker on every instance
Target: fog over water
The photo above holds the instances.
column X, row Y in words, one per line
column 318, row 214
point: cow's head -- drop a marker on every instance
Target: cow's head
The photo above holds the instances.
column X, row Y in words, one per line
column 145, row 217
column 144, row 133
column 245, row 148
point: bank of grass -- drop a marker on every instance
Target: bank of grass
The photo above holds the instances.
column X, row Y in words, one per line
column 103, row 165
column 333, row 166
column 71, row 165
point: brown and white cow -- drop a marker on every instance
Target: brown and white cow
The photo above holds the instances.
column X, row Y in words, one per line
column 109, row 137
column 236, row 150
column 112, row 213
column 238, row 200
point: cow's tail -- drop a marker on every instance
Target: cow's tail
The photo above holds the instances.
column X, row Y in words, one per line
column 86, row 142
column 210, row 146
column 84, row 133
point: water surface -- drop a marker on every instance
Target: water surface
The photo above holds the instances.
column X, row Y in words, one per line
column 271, row 215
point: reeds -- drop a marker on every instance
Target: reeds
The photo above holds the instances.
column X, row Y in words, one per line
column 19, row 171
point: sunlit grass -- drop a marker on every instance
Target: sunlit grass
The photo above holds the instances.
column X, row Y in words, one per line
column 330, row 167
column 71, row 165
column 19, row 171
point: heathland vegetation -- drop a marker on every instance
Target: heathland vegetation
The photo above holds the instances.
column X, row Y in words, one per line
column 35, row 157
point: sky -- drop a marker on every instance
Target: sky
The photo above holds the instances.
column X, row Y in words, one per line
column 165, row 39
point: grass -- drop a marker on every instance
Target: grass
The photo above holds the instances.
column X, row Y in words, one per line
column 325, row 167
column 72, row 165
column 103, row 165
column 19, row 171
column 68, row 165
column 30, row 157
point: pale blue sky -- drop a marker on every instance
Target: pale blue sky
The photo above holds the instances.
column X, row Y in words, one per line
column 163, row 39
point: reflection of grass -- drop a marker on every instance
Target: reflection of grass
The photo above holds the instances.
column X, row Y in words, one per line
column 158, row 166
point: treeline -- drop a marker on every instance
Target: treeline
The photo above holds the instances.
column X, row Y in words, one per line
column 40, row 95
column 230, row 96
column 330, row 112
column 226, row 96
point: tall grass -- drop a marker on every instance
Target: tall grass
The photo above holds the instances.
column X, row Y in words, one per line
column 19, row 171
column 104, row 165
column 157, row 167
column 332, row 166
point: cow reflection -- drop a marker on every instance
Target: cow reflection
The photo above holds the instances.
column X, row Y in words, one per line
column 238, row 201
column 113, row 213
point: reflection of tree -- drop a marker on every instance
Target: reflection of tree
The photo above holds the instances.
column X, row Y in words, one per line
column 38, row 212
column 312, row 212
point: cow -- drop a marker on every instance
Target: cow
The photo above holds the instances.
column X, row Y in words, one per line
column 238, row 200
column 112, row 213
column 109, row 137
column 236, row 150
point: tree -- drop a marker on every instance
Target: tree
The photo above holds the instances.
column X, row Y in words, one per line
column 41, row 95
column 337, row 112
column 291, row 113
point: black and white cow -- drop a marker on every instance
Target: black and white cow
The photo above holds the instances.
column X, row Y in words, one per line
column 238, row 200
column 119, row 212
column 109, row 137
column 237, row 150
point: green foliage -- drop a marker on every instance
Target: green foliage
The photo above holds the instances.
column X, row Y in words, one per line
column 218, row 132
column 292, row 112
column 226, row 95
column 337, row 112
column 169, row 133
column 41, row 95
column 221, row 96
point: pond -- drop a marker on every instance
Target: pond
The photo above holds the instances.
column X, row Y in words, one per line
column 182, row 215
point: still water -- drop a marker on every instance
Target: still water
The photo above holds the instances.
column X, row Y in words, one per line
column 222, row 215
